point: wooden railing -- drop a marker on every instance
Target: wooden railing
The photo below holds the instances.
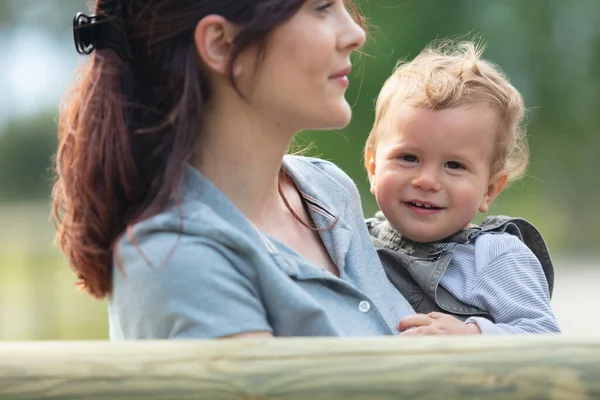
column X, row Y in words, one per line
column 534, row 367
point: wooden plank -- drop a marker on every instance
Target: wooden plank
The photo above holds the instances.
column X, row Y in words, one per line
column 529, row 367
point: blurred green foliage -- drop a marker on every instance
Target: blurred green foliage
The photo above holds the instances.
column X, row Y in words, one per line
column 26, row 149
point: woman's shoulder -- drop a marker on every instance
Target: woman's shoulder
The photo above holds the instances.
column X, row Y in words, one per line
column 192, row 228
column 182, row 273
column 199, row 224
column 320, row 163
column 186, row 217
column 321, row 172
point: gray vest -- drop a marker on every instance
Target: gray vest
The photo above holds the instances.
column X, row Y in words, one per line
column 415, row 268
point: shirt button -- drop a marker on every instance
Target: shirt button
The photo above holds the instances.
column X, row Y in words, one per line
column 364, row 306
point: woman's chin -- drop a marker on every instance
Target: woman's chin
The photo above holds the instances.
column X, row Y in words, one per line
column 337, row 118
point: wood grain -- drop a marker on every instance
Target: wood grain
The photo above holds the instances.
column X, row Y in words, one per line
column 527, row 367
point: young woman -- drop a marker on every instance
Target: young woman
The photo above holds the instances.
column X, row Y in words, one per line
column 175, row 198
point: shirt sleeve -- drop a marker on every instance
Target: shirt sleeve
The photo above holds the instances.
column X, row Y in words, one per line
column 513, row 288
column 174, row 285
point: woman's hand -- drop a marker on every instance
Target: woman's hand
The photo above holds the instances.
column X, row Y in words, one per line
column 436, row 323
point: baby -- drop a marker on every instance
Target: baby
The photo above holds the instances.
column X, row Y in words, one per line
column 448, row 137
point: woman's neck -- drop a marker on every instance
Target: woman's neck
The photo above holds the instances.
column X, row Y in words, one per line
column 241, row 154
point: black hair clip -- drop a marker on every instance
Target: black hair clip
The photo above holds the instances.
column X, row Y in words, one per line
column 101, row 32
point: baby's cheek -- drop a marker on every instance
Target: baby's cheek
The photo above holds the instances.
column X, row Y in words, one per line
column 385, row 195
column 388, row 182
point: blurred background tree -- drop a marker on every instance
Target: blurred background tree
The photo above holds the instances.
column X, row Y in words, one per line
column 549, row 48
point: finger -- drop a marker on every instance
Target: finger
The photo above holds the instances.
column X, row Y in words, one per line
column 421, row 331
column 413, row 320
column 411, row 332
column 436, row 315
column 430, row 331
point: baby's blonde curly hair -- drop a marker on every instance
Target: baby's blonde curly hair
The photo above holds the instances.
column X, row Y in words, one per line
column 450, row 74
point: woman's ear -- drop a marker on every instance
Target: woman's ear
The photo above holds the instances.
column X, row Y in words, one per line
column 496, row 184
column 213, row 38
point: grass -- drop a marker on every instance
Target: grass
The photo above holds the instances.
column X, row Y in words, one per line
column 38, row 298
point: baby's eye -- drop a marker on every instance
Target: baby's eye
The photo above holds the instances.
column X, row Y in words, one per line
column 409, row 158
column 454, row 165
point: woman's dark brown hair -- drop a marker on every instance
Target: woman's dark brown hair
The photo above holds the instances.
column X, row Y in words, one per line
column 126, row 129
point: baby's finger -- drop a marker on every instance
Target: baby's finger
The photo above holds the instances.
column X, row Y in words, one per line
column 421, row 331
column 430, row 330
column 413, row 320
column 437, row 315
column 412, row 332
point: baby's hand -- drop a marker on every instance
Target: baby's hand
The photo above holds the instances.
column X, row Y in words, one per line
column 436, row 323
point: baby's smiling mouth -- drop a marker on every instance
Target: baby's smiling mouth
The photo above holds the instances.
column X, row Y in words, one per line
column 426, row 206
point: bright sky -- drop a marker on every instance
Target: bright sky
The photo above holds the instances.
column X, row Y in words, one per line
column 35, row 69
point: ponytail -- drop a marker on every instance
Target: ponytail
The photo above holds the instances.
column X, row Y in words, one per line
column 96, row 172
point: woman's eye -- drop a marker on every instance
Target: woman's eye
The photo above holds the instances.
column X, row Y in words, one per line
column 325, row 6
column 454, row 165
column 409, row 158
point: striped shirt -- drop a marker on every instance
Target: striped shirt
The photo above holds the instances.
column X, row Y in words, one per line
column 499, row 274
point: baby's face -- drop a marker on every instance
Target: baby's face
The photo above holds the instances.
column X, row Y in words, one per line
column 430, row 172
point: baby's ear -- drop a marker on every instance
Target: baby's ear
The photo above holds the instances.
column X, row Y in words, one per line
column 496, row 184
column 370, row 167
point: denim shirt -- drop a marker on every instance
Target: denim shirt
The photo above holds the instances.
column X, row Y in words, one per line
column 201, row 269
